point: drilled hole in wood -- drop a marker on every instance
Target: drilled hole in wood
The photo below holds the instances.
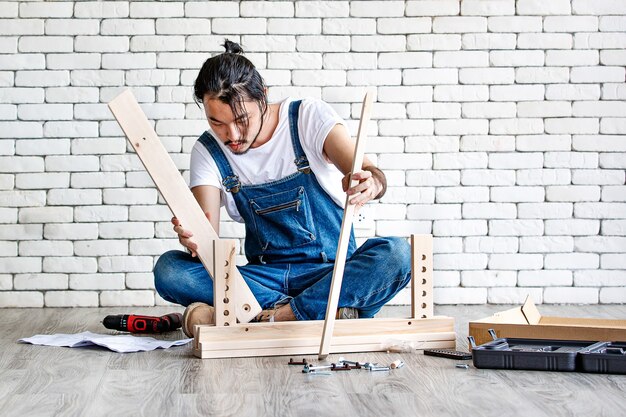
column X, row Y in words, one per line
column 246, row 307
column 423, row 305
column 423, row 282
column 226, row 275
column 409, row 323
column 424, row 316
column 226, row 312
column 143, row 138
column 423, row 293
column 423, row 257
column 226, row 324
column 226, row 300
column 246, row 329
column 423, row 269
column 226, row 289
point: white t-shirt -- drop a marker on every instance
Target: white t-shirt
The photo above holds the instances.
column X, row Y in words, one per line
column 275, row 159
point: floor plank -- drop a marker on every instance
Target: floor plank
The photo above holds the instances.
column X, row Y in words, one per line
column 51, row 381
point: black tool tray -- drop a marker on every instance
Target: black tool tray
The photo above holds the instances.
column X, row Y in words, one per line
column 528, row 354
column 604, row 357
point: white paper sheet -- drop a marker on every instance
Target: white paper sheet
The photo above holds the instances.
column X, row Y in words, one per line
column 122, row 343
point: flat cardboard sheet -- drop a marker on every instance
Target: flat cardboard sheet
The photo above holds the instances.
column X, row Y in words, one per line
column 527, row 322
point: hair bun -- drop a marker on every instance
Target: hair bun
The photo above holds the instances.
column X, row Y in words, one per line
column 232, row 47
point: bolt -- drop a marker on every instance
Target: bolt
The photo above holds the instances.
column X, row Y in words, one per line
column 308, row 368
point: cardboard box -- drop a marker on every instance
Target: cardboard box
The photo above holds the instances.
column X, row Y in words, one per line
column 527, row 322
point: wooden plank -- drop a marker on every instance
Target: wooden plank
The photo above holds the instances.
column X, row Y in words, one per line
column 177, row 195
column 421, row 276
column 224, row 295
column 346, row 228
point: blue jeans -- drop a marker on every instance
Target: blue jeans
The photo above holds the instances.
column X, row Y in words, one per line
column 374, row 273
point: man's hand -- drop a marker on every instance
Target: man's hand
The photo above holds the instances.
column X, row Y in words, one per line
column 371, row 185
column 184, row 236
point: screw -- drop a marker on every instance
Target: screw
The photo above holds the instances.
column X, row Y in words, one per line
column 379, row 368
column 308, row 368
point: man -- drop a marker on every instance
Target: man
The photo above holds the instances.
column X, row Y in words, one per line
column 283, row 170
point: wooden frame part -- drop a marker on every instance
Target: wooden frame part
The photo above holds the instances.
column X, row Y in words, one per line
column 177, row 195
column 421, row 276
column 346, row 228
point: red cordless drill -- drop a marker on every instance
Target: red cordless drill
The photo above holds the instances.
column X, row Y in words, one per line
column 143, row 324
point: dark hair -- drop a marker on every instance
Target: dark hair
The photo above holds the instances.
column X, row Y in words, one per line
column 231, row 78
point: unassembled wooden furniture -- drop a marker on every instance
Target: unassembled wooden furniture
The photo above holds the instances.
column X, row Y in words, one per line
column 228, row 338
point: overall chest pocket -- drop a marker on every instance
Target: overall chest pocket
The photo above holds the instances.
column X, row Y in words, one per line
column 283, row 220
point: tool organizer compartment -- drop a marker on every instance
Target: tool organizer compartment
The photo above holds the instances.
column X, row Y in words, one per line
column 604, row 358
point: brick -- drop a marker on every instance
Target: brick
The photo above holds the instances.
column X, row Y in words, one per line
column 461, row 261
column 544, row 210
column 439, row 42
column 461, row 93
column 155, row 246
column 405, row 161
column 307, row 27
column 434, row 111
column 74, row 197
column 487, row 7
column 545, row 75
column 486, row 76
column 8, row 9
column 544, row 278
column 544, row 41
column 598, row 177
column 8, row 249
column 238, row 25
column 127, row 27
column 612, row 160
column 205, row 9
column 461, row 127
column 22, row 61
column 125, row 264
column 517, row 58
column 590, row 278
column 42, row 78
column 378, row 43
column 519, row 261
column 572, row 261
column 515, row 227
column 457, row 24
column 612, row 261
column 45, row 111
column 599, row 210
column 98, row 180
column 489, row 211
column 8, row 112
column 613, row 125
column 91, row 78
column 106, row 213
column 403, row 94
column 490, row 244
column 515, row 126
column 433, row 212
column 148, row 43
column 570, row 24
column 46, row 215
column 96, row 281
column 127, row 298
column 406, row 25
column 488, row 41
column 432, row 178
column 572, row 227
column 461, row 194
column 610, row 244
column 543, row 244
column 515, row 24
column 507, row 295
column 461, row 59
column 352, row 60
column 405, row 59
column 46, row 44
column 516, row 92
column 376, row 8
column 264, row 9
column 73, row 61
column 543, row 176
column 427, row 76
column 21, row 264
column 13, row 164
column 73, row 27
column 322, row 9
column 613, row 227
column 71, row 299
column 40, row 282
column 170, row 9
column 46, row 248
column 6, row 283
column 543, row 142
column 101, row 9
column 541, row 8
column 22, row 198
column 573, row 193
column 572, row 92
column 460, row 160
column 406, row 127
column 21, row 27
column 139, row 281
column 610, row 295
column 407, row 195
column 8, row 45
column 21, row 299
column 613, row 57
column 487, row 177
column 281, row 43
column 572, row 125
column 488, row 278
column 9, row 215
column 72, row 95
column 101, row 44
column 42, row 181
column 599, row 8
column 597, row 74
column 606, row 40
column 460, row 295
column 614, row 193
column 609, row 24
column 432, row 8
column 544, row 109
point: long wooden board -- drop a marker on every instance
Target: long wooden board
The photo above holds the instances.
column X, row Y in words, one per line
column 302, row 337
column 176, row 193
column 346, row 228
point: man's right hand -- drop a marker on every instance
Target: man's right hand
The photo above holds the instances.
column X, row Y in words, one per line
column 184, row 236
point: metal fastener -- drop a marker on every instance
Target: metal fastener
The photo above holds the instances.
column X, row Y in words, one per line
column 308, row 368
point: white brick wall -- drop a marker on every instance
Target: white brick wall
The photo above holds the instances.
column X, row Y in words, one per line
column 500, row 124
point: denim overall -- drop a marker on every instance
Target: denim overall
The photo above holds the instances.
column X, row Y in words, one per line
column 292, row 232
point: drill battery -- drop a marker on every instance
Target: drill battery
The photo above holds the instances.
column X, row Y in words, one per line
column 143, row 324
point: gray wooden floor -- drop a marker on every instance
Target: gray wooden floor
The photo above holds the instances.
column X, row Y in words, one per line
column 51, row 381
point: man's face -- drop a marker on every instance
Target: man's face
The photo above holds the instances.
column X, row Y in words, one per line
column 230, row 129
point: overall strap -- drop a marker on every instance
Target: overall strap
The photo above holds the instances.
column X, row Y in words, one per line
column 230, row 181
column 301, row 161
